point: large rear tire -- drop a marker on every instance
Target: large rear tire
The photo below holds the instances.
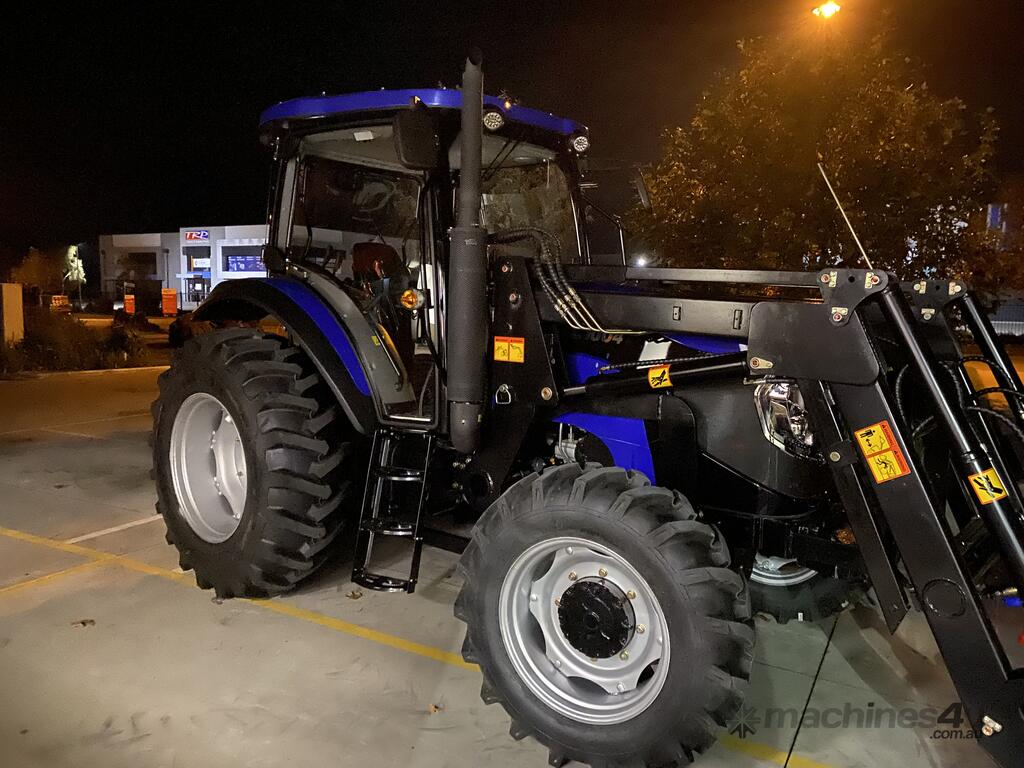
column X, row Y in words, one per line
column 605, row 619
column 250, row 462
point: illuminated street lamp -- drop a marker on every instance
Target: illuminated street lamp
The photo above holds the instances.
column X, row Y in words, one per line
column 827, row 10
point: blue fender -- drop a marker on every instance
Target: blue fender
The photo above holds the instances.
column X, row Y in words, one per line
column 315, row 328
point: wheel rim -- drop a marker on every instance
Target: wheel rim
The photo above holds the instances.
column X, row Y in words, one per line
column 533, row 603
column 208, row 467
column 779, row 572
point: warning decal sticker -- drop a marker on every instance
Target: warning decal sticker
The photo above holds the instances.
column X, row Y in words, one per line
column 658, row 377
column 509, row 349
column 987, row 486
column 882, row 452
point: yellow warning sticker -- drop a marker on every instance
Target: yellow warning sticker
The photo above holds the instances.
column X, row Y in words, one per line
column 658, row 377
column 987, row 486
column 873, row 439
column 882, row 452
column 509, row 349
column 885, row 466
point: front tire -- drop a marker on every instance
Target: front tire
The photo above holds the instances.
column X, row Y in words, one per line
column 250, row 463
column 576, row 576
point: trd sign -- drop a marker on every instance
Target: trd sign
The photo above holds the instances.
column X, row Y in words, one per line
column 197, row 236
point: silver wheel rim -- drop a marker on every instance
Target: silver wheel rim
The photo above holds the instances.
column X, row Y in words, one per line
column 595, row 691
column 208, row 467
column 779, row 571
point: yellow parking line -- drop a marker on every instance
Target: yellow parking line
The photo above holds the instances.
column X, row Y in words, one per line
column 766, row 752
column 373, row 635
column 753, row 749
column 47, row 578
column 285, row 609
column 97, row 555
column 74, row 549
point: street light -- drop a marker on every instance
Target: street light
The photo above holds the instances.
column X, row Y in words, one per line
column 827, row 10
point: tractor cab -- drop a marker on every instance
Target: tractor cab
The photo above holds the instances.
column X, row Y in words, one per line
column 365, row 193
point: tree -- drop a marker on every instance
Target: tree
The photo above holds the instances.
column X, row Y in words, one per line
column 74, row 270
column 40, row 270
column 739, row 185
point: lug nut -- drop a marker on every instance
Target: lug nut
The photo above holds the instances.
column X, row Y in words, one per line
column 631, row 595
column 558, row 601
column 640, row 629
column 834, row 456
column 602, row 572
column 568, row 550
column 572, row 576
column 620, row 688
column 533, row 598
column 624, row 655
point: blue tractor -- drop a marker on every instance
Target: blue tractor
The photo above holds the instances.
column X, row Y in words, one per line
column 437, row 357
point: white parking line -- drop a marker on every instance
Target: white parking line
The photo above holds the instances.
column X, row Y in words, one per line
column 72, row 434
column 115, row 529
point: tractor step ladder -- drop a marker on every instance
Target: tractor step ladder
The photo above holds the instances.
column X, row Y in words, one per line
column 381, row 514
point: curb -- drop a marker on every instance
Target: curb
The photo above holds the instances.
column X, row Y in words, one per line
column 92, row 372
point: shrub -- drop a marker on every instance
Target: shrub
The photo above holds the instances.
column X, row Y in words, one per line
column 55, row 342
column 12, row 359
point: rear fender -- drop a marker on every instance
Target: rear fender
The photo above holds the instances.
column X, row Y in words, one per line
column 313, row 326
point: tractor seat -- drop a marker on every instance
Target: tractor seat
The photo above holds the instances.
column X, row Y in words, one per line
column 373, row 261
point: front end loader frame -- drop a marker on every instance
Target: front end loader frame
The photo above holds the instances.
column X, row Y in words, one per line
column 842, row 340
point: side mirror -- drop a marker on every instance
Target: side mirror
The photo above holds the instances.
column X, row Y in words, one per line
column 640, row 182
column 416, row 140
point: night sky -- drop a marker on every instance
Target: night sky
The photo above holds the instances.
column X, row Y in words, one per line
column 143, row 117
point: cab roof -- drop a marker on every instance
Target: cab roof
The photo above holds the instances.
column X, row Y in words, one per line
column 382, row 100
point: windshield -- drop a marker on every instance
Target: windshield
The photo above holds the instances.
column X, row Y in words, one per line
column 536, row 195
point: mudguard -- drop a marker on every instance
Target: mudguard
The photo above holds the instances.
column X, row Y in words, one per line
column 314, row 327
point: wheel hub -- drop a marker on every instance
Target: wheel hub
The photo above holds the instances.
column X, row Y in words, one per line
column 596, row 618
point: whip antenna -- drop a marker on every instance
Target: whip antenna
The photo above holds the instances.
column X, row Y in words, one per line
column 839, row 205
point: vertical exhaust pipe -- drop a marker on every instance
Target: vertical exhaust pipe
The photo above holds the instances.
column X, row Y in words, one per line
column 467, row 317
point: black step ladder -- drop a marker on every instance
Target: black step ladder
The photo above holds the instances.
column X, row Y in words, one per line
column 381, row 515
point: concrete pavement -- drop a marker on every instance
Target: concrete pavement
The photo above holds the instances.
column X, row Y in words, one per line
column 110, row 657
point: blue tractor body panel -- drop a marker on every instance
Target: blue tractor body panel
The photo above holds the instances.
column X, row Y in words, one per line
column 626, row 438
column 445, row 98
column 580, row 366
column 712, row 345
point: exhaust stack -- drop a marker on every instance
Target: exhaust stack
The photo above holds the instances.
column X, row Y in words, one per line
column 467, row 327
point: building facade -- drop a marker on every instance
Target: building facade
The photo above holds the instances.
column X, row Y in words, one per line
column 192, row 261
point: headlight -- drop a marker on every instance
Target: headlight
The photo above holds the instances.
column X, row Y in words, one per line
column 780, row 408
